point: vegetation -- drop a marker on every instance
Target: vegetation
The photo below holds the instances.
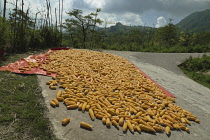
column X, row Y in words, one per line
column 196, row 22
column 22, row 107
column 22, row 31
column 145, row 39
column 198, row 69
column 82, row 28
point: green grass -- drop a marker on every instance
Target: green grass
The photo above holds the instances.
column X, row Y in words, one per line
column 22, row 109
column 200, row 78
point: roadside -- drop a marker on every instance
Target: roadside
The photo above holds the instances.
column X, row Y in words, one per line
column 197, row 69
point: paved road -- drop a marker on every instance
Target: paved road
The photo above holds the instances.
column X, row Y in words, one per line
column 168, row 61
column 161, row 68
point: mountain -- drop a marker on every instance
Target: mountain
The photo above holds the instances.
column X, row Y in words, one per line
column 119, row 27
column 196, row 22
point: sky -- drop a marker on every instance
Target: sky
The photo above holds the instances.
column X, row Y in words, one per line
column 153, row 13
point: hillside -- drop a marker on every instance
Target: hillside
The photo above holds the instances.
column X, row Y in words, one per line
column 196, row 22
column 119, row 27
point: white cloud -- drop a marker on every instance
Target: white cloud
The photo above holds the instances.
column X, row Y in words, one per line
column 95, row 3
column 161, row 21
column 131, row 18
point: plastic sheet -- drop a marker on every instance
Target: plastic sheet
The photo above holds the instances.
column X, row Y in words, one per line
column 24, row 62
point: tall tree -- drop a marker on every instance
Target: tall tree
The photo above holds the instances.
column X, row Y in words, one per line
column 84, row 24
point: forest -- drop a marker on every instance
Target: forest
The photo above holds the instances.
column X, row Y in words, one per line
column 24, row 31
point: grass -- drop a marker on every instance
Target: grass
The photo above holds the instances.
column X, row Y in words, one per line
column 22, row 109
column 203, row 79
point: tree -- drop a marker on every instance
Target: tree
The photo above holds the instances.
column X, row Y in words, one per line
column 166, row 35
column 82, row 24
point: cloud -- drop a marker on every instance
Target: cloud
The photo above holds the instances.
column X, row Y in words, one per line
column 161, row 21
column 174, row 7
column 130, row 19
column 128, row 12
column 95, row 3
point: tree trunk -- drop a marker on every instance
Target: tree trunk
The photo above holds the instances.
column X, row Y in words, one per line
column 61, row 28
column 5, row 6
column 56, row 19
column 15, row 28
column 22, row 30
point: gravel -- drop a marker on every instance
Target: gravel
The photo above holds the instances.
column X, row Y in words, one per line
column 163, row 69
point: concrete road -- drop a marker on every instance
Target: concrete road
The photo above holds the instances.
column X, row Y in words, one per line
column 161, row 68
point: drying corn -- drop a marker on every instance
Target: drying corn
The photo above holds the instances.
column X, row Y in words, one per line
column 112, row 89
column 65, row 121
column 86, row 125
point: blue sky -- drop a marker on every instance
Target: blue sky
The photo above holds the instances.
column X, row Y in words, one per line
column 129, row 12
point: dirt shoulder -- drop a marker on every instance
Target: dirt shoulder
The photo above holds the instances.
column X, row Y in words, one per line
column 190, row 96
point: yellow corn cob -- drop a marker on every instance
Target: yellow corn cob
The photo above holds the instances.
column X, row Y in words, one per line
column 111, row 112
column 198, row 121
column 56, row 102
column 65, row 121
column 158, row 128
column 108, row 122
column 167, row 130
column 84, row 106
column 98, row 116
column 146, row 128
column 187, row 130
column 104, row 120
column 121, row 121
column 80, row 106
column 86, row 125
column 125, row 126
column 130, row 126
column 115, row 124
column 52, row 87
column 138, row 129
column 70, row 103
column 60, row 99
column 59, row 93
column 72, row 106
column 91, row 113
column 53, row 104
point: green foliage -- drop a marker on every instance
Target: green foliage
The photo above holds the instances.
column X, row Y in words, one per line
column 166, row 35
column 4, row 34
column 197, row 64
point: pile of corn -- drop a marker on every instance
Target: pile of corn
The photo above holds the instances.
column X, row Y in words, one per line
column 112, row 89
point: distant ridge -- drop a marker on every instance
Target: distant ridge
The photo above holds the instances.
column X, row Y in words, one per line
column 196, row 22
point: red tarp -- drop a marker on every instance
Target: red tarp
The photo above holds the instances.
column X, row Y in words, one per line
column 14, row 67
